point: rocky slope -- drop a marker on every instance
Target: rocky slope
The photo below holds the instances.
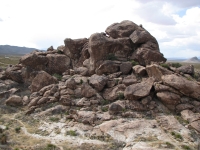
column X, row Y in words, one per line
column 111, row 91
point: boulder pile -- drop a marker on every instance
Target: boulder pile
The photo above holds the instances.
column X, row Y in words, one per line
column 113, row 73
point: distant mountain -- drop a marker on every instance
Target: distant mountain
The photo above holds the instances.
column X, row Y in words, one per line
column 14, row 50
column 193, row 60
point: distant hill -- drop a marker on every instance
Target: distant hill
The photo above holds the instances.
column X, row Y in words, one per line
column 193, row 60
column 14, row 50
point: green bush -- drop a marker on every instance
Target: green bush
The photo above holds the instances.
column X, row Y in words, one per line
column 176, row 65
column 60, row 52
column 165, row 65
column 50, row 147
column 134, row 63
column 169, row 145
column 185, row 147
column 104, row 109
column 71, row 133
column 17, row 129
column 58, row 76
column 81, row 81
column 54, row 119
column 176, row 135
column 120, row 95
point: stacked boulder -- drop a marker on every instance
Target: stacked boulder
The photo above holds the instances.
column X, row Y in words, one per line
column 116, row 72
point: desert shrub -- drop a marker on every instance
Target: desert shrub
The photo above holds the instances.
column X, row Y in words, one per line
column 58, row 76
column 104, row 109
column 176, row 65
column 17, row 129
column 134, row 63
column 120, row 95
column 176, row 135
column 104, row 102
column 165, row 65
column 185, row 147
column 81, row 81
column 169, row 145
column 71, row 133
column 50, row 147
column 54, row 119
column 60, row 52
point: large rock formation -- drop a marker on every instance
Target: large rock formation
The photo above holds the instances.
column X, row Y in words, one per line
column 106, row 84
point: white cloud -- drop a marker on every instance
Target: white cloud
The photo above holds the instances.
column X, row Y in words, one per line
column 40, row 24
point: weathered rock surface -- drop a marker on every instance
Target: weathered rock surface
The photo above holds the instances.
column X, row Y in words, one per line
column 122, row 29
column 139, row 70
column 138, row 90
column 14, row 100
column 187, row 69
column 157, row 71
column 186, row 87
column 98, row 82
column 114, row 93
column 41, row 80
column 169, row 98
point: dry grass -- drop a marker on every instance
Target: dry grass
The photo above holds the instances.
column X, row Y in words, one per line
column 10, row 60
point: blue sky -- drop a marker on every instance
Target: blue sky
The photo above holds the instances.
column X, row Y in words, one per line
column 42, row 23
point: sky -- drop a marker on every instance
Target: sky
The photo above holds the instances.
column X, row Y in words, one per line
column 42, row 23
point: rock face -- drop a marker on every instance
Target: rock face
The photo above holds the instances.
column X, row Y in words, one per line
column 98, row 82
column 138, row 90
column 42, row 79
column 14, row 100
column 185, row 86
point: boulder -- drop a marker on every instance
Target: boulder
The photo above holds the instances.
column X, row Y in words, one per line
column 169, row 98
column 186, row 106
column 83, row 102
column 98, row 82
column 196, row 125
column 130, row 79
column 41, row 80
column 107, row 67
column 73, row 49
column 138, row 90
column 74, row 46
column 136, row 106
column 14, row 73
column 82, row 71
column 185, row 86
column 86, row 117
column 114, row 93
column 35, row 61
column 57, row 63
column 87, row 91
column 117, row 107
column 186, row 69
column 142, row 36
column 125, row 67
column 65, row 100
column 146, row 56
column 157, row 71
column 33, row 102
column 160, row 88
column 139, row 70
column 14, row 100
column 190, row 116
column 70, row 83
column 100, row 47
column 122, row 29
column 25, row 100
